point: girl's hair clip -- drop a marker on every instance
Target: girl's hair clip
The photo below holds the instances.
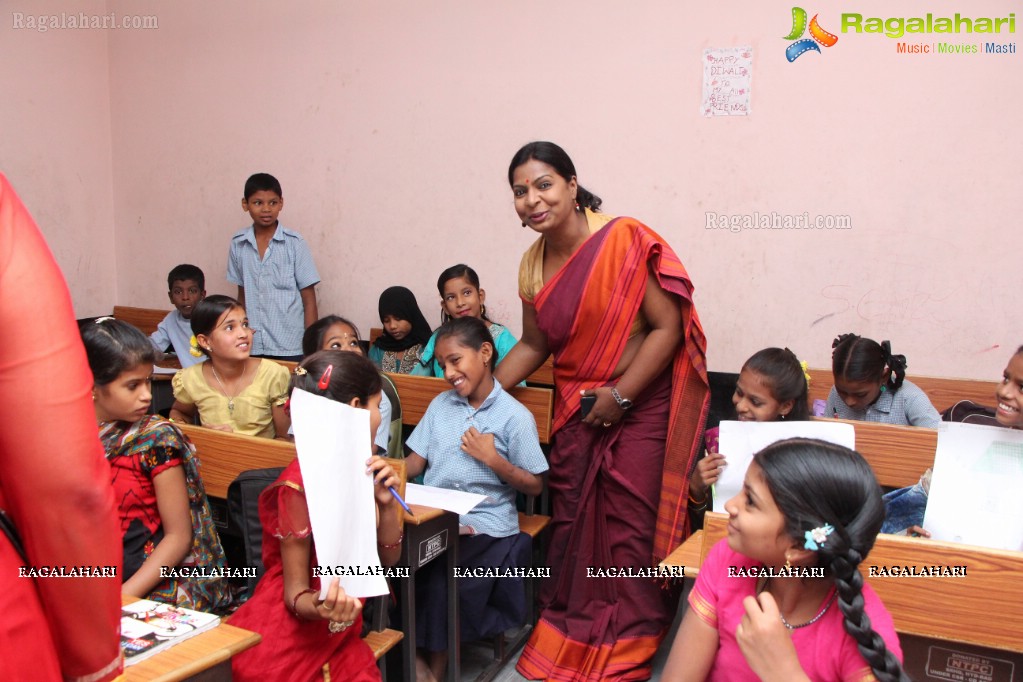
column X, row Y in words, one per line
column 816, row 538
column 193, row 347
column 301, row 371
column 806, row 371
column 101, row 320
column 325, row 379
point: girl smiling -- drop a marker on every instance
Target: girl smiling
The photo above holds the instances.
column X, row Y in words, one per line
column 804, row 504
column 478, row 439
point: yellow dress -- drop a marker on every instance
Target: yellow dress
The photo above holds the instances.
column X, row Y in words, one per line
column 252, row 415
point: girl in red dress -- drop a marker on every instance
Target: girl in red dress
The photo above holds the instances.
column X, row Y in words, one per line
column 305, row 638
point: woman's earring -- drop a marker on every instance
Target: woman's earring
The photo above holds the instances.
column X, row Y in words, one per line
column 483, row 310
column 884, row 388
column 788, row 564
column 577, row 206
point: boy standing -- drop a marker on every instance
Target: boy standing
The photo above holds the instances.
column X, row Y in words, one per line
column 274, row 272
column 186, row 286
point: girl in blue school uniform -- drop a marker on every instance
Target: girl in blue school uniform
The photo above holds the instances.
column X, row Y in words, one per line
column 478, row 439
column 461, row 296
column 870, row 385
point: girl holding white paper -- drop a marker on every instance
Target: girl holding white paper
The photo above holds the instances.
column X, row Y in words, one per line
column 478, row 439
column 772, row 386
column 305, row 638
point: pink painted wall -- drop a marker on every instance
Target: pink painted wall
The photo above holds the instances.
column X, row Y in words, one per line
column 55, row 141
column 391, row 124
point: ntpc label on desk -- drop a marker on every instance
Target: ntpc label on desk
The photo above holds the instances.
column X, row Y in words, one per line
column 960, row 666
column 431, row 547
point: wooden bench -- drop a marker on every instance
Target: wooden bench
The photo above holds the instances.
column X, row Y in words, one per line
column 943, row 392
column 899, row 455
column 146, row 319
column 981, row 608
column 542, row 377
column 224, row 456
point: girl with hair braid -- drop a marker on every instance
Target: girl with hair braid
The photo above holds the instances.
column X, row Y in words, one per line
column 870, row 385
column 782, row 598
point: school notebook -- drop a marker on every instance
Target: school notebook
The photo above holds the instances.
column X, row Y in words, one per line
column 148, row 627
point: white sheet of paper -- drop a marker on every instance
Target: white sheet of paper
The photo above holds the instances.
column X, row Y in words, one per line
column 975, row 488
column 333, row 443
column 457, row 501
column 165, row 370
column 739, row 441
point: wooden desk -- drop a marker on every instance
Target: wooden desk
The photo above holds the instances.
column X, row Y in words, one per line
column 207, row 656
column 688, row 555
column 432, row 533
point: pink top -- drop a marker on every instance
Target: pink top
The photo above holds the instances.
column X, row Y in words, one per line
column 826, row 651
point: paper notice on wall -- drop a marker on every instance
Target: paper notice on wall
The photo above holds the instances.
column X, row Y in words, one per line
column 727, row 78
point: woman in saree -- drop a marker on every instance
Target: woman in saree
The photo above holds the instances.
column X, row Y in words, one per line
column 613, row 304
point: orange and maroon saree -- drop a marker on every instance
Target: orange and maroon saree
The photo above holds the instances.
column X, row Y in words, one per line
column 619, row 494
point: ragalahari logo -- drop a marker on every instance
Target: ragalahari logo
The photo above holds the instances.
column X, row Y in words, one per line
column 818, row 35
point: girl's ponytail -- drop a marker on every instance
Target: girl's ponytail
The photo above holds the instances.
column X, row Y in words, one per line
column 896, row 363
column 844, row 569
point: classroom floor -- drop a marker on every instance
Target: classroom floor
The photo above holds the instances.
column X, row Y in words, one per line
column 476, row 657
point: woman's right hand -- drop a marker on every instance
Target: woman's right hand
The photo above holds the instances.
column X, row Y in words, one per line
column 708, row 471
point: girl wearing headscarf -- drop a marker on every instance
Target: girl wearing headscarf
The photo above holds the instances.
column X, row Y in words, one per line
column 400, row 348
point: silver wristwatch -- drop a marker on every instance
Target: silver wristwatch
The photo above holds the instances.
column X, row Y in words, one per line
column 623, row 403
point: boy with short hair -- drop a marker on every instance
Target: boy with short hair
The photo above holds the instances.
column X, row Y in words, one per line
column 275, row 273
column 186, row 286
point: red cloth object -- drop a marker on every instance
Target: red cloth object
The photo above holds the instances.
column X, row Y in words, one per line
column 54, row 480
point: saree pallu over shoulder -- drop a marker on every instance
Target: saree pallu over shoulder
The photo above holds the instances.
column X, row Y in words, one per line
column 587, row 311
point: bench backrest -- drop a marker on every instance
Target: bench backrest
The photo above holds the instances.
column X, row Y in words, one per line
column 899, row 455
column 982, row 607
column 225, row 455
column 145, row 319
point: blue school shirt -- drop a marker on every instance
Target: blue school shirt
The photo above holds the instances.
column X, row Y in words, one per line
column 272, row 285
column 176, row 331
column 438, row 439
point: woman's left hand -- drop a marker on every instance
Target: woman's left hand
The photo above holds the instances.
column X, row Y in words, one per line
column 383, row 478
column 765, row 641
column 605, row 412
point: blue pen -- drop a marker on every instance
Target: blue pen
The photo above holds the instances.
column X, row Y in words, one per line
column 400, row 501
